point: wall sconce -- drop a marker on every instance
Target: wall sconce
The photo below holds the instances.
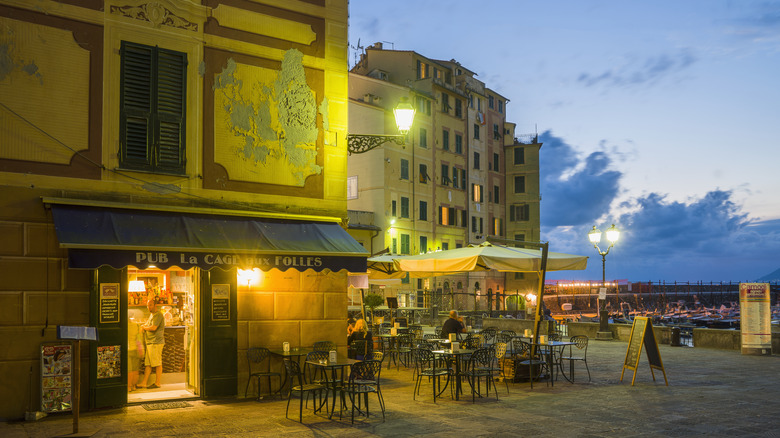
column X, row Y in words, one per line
column 249, row 277
column 404, row 117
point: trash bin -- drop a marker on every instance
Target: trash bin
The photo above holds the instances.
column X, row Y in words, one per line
column 675, row 337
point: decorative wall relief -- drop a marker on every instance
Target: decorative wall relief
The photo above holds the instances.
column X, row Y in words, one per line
column 266, row 122
column 44, row 89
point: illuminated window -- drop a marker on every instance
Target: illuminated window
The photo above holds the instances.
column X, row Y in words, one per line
column 352, row 187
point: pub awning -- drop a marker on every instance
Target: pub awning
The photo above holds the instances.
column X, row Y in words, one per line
column 96, row 236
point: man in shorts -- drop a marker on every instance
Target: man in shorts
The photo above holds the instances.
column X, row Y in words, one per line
column 154, row 335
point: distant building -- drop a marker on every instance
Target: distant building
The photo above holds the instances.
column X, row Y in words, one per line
column 462, row 176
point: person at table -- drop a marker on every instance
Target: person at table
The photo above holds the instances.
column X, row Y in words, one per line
column 360, row 332
column 453, row 324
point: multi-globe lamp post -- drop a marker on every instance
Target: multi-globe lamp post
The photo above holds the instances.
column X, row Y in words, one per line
column 613, row 234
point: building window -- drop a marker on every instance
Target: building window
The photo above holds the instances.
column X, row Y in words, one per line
column 404, row 207
column 352, row 187
column 404, row 168
column 496, row 132
column 490, row 102
column 423, row 105
column 445, row 103
column 153, row 90
column 393, row 209
column 520, row 155
column 496, row 163
column 447, row 215
column 445, row 140
column 464, row 218
column 476, row 160
column 424, row 174
column 458, row 108
column 496, row 195
column 423, row 138
column 423, row 244
column 405, row 244
column 480, row 225
column 422, row 70
column 471, row 101
column 445, row 246
column 520, row 184
column 476, row 191
column 498, row 227
column 519, row 213
column 473, row 224
column 458, row 144
column 500, row 106
column 436, row 73
column 395, row 245
column 445, row 175
column 423, row 210
column 476, row 131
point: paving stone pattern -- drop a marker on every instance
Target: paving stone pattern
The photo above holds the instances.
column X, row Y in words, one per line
column 710, row 393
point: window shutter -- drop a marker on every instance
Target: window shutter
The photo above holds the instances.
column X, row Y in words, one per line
column 136, row 104
column 171, row 95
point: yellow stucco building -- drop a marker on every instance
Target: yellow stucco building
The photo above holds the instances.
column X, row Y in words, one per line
column 193, row 149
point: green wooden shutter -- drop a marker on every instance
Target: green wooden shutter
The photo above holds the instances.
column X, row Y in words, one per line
column 171, row 96
column 136, row 106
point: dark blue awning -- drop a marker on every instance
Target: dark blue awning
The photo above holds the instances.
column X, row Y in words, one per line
column 96, row 236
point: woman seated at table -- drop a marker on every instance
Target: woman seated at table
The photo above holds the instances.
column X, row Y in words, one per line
column 453, row 324
column 360, row 332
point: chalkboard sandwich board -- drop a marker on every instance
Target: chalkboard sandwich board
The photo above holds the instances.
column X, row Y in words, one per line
column 642, row 334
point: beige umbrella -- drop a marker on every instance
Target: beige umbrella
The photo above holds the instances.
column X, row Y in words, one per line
column 381, row 267
column 486, row 257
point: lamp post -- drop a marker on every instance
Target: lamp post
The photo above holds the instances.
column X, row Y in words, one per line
column 404, row 117
column 613, row 234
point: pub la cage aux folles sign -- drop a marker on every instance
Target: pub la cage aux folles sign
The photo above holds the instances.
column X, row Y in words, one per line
column 90, row 259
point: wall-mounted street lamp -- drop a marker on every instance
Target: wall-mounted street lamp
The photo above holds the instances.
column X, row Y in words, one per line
column 613, row 234
column 404, row 117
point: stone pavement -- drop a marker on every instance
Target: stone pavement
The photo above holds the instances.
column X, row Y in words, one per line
column 710, row 393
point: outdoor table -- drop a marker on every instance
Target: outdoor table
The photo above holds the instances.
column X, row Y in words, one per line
column 295, row 352
column 330, row 382
column 549, row 348
column 458, row 355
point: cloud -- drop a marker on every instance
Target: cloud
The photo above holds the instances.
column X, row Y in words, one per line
column 703, row 238
column 575, row 191
column 647, row 71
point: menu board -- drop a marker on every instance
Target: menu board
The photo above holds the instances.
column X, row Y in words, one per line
column 56, row 377
column 109, row 302
column 642, row 334
column 220, row 302
column 755, row 318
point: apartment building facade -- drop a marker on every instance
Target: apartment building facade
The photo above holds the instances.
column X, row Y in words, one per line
column 448, row 186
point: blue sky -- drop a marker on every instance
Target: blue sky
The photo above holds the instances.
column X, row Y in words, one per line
column 660, row 117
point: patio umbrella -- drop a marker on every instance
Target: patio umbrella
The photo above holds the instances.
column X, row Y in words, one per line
column 381, row 267
column 485, row 257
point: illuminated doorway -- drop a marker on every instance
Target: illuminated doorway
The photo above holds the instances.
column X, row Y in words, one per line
column 176, row 292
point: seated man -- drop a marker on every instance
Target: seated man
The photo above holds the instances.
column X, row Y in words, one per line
column 453, row 324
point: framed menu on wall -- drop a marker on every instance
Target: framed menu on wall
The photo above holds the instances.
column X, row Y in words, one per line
column 109, row 302
column 220, row 302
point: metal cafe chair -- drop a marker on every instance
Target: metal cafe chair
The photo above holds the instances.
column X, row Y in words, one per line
column 364, row 380
column 324, row 346
column 480, row 366
column 427, row 366
column 303, row 389
column 256, row 356
column 581, row 344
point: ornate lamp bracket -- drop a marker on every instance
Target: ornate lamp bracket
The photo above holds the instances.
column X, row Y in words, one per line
column 358, row 144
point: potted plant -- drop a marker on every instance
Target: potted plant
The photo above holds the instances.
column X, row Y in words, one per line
column 371, row 301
